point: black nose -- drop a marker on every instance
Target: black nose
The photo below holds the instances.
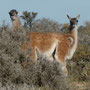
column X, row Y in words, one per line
column 9, row 13
column 74, row 23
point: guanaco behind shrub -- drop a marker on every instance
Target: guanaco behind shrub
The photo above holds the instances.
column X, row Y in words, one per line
column 15, row 19
column 55, row 46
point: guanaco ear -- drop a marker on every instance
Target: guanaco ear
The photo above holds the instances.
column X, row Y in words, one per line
column 69, row 17
column 9, row 13
column 78, row 17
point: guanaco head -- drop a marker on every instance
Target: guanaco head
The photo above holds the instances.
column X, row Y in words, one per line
column 73, row 21
column 15, row 18
column 13, row 14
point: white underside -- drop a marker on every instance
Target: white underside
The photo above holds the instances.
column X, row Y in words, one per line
column 48, row 53
column 73, row 49
column 71, row 52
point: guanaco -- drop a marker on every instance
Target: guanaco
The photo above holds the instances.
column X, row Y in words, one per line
column 15, row 19
column 62, row 46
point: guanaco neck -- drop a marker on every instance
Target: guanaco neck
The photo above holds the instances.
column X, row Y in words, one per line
column 74, row 33
column 17, row 23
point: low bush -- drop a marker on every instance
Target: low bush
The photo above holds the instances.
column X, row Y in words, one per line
column 41, row 73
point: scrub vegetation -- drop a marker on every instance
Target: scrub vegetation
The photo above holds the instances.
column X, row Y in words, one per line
column 42, row 74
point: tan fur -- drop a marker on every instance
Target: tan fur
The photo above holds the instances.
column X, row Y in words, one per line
column 43, row 42
column 17, row 23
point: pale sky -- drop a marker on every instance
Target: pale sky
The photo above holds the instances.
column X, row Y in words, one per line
column 54, row 9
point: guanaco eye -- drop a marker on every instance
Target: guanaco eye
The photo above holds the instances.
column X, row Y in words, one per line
column 71, row 21
column 76, row 20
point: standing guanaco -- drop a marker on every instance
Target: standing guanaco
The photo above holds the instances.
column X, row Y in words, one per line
column 54, row 45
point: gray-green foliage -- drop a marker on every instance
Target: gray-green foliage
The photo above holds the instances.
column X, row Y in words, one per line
column 41, row 73
column 46, row 25
column 11, row 54
column 44, row 72
column 28, row 18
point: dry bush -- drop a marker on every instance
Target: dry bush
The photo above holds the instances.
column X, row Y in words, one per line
column 46, row 25
column 11, row 55
column 41, row 73
column 46, row 73
column 79, row 66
